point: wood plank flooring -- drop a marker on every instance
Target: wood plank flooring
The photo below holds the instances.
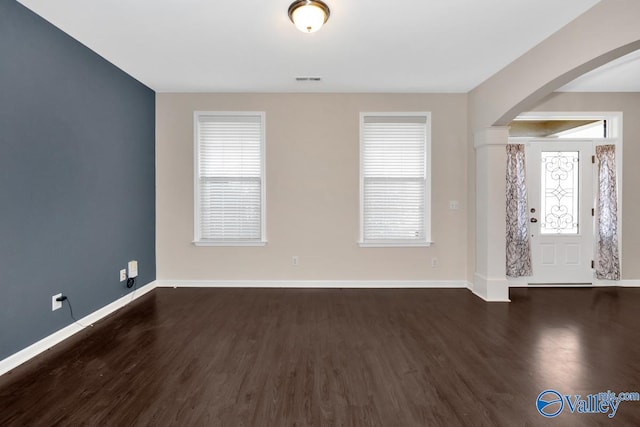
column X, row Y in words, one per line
column 311, row 357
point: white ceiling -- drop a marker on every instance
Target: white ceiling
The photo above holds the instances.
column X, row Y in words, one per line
column 366, row 46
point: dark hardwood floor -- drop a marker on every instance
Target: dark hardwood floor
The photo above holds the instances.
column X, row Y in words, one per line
column 273, row 357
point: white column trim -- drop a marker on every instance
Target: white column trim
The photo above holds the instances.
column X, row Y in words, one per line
column 490, row 281
column 491, row 289
column 496, row 135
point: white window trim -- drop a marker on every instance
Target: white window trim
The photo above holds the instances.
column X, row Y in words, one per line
column 427, row 208
column 198, row 241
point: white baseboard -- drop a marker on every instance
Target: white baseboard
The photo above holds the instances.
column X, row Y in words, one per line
column 57, row 337
column 485, row 299
column 630, row 283
column 329, row 284
column 46, row 343
column 490, row 289
column 595, row 284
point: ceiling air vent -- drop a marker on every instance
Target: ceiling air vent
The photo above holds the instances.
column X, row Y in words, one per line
column 308, row 79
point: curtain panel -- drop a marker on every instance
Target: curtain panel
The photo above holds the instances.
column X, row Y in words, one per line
column 607, row 262
column 518, row 250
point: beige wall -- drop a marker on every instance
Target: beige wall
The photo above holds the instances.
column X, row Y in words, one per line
column 312, row 150
column 629, row 104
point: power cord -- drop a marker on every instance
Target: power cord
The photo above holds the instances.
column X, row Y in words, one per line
column 65, row 298
column 132, row 283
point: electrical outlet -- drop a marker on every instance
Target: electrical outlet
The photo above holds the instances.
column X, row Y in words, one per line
column 434, row 262
column 294, row 260
column 56, row 304
column 123, row 274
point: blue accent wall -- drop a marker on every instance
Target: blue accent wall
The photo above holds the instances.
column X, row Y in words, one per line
column 77, row 178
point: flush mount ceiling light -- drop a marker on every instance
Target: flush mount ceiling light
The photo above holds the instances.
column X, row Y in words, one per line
column 308, row 15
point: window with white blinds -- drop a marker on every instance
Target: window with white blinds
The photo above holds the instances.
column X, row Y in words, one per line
column 394, row 179
column 229, row 194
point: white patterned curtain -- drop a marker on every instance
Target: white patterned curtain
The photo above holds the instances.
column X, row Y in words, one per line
column 518, row 244
column 607, row 259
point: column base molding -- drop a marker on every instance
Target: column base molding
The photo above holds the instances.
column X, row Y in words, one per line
column 491, row 289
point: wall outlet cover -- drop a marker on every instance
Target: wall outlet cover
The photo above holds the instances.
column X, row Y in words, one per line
column 55, row 305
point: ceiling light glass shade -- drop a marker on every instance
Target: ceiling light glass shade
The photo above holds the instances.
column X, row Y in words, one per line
column 308, row 15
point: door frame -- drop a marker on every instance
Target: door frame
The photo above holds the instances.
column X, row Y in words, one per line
column 614, row 137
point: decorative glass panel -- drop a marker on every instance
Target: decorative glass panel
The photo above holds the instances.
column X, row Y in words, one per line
column 560, row 192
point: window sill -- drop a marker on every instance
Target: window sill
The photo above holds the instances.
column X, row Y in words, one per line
column 230, row 243
column 394, row 244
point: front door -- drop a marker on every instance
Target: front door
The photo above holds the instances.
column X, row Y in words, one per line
column 560, row 186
